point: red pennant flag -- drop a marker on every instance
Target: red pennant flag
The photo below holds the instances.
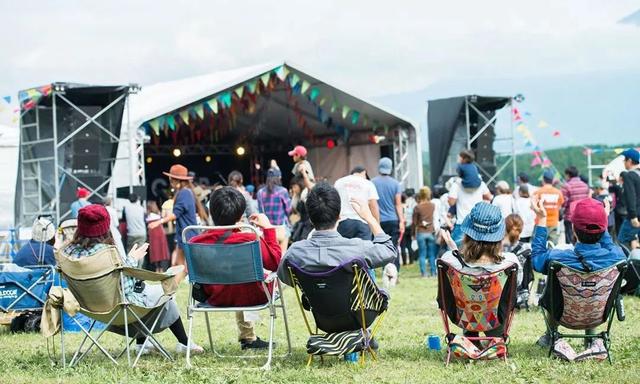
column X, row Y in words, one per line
column 556, row 133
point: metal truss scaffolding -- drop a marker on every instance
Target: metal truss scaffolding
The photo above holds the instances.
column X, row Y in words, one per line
column 69, row 139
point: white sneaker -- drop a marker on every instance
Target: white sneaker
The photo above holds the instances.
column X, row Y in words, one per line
column 147, row 348
column 195, row 349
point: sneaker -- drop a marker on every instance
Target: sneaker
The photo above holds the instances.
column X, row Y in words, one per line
column 258, row 343
column 544, row 341
column 181, row 349
column 147, row 348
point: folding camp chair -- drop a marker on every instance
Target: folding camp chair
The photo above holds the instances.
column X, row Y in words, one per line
column 345, row 303
column 23, row 292
column 580, row 300
column 631, row 283
column 477, row 303
column 97, row 283
column 230, row 264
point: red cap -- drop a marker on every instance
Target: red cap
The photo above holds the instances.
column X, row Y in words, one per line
column 93, row 221
column 298, row 150
column 81, row 193
column 588, row 216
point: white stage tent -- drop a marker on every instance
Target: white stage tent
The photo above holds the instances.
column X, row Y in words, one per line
column 266, row 109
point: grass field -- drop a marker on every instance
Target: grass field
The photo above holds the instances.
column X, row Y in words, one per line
column 403, row 356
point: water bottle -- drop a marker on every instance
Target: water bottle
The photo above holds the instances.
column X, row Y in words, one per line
column 433, row 342
column 620, row 308
column 351, row 357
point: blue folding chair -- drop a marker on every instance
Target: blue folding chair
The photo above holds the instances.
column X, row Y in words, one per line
column 231, row 264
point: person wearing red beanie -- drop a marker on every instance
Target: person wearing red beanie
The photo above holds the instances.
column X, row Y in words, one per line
column 93, row 235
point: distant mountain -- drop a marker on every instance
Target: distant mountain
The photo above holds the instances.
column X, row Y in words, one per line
column 633, row 19
column 584, row 108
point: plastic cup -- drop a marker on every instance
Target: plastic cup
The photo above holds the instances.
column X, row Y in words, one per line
column 433, row 342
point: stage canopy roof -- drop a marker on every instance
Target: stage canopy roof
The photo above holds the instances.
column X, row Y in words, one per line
column 270, row 104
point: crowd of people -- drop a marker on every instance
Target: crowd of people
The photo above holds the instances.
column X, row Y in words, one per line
column 472, row 226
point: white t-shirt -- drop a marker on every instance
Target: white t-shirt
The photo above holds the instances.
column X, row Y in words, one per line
column 506, row 204
column 466, row 198
column 356, row 187
column 523, row 208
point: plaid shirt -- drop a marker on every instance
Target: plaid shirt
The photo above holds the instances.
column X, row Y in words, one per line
column 277, row 205
column 75, row 251
column 573, row 190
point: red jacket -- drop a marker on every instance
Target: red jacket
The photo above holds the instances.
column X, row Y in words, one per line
column 249, row 293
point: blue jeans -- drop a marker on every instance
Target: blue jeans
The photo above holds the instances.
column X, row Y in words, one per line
column 627, row 232
column 427, row 248
column 457, row 235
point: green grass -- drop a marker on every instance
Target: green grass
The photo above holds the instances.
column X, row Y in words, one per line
column 403, row 356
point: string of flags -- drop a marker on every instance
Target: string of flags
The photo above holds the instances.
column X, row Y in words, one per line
column 540, row 158
column 225, row 105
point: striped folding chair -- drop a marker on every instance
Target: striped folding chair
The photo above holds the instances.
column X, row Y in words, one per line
column 346, row 305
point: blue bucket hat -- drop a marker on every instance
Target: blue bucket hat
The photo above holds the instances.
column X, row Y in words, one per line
column 385, row 166
column 632, row 154
column 484, row 223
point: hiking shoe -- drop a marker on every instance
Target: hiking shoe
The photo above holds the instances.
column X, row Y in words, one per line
column 544, row 341
column 258, row 343
column 181, row 349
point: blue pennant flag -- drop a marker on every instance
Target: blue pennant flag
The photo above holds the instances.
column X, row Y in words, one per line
column 7, row 99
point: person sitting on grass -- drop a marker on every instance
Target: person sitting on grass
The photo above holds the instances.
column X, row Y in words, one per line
column 227, row 206
column 323, row 206
column 594, row 247
column 484, row 230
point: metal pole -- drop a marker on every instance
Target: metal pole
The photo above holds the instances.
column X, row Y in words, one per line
column 56, row 182
column 589, row 164
column 466, row 115
column 513, row 141
column 130, row 144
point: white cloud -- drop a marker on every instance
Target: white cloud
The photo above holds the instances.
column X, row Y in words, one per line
column 375, row 47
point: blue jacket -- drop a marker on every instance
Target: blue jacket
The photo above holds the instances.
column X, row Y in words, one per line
column 29, row 253
column 598, row 256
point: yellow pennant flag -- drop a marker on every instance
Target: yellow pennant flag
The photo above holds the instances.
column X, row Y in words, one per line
column 213, row 104
column 305, row 86
column 199, row 110
column 618, row 151
column 265, row 78
column 155, row 125
column 240, row 91
column 543, row 124
column 345, row 111
column 184, row 115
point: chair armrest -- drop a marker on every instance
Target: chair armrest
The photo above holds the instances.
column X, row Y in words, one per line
column 271, row 277
column 167, row 280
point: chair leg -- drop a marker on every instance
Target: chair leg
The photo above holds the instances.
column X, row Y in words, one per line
column 94, row 342
column 309, row 360
column 189, row 336
column 64, row 358
column 206, row 316
column 448, row 358
column 126, row 335
column 373, row 354
column 75, row 355
column 286, row 321
column 267, row 365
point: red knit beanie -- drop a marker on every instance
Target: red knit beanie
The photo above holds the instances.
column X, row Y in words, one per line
column 93, row 221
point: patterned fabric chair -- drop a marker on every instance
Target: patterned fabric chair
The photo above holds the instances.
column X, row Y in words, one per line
column 580, row 300
column 346, row 305
column 477, row 303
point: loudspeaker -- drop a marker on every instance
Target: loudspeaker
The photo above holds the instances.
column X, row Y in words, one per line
column 123, row 192
column 85, row 156
column 483, row 145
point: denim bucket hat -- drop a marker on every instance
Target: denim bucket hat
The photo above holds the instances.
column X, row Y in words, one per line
column 484, row 223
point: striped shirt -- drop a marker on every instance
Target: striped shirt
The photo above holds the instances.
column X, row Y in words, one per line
column 573, row 191
column 277, row 205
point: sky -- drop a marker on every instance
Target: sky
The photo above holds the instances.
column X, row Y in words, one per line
column 384, row 50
